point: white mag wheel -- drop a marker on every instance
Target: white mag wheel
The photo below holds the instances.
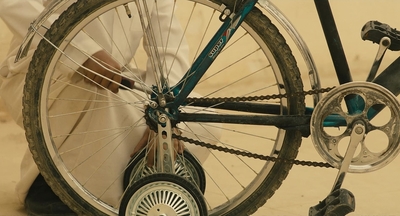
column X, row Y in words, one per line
column 163, row 194
column 81, row 135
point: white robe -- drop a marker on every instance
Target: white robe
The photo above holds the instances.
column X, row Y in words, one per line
column 18, row 14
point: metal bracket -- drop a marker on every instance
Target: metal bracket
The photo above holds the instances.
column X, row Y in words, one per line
column 165, row 148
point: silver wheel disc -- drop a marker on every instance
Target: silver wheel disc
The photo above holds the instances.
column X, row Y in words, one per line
column 162, row 198
column 373, row 153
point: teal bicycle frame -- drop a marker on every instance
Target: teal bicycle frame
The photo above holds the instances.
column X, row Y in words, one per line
column 231, row 21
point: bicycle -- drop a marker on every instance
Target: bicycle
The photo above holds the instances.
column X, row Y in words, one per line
column 278, row 107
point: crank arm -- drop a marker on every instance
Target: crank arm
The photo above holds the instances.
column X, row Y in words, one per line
column 341, row 201
column 384, row 44
column 357, row 135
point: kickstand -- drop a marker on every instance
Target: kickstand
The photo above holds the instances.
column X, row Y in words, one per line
column 341, row 201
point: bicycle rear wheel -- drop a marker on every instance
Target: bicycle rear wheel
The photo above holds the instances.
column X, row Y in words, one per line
column 81, row 134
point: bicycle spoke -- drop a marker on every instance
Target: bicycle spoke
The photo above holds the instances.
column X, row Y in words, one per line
column 90, row 131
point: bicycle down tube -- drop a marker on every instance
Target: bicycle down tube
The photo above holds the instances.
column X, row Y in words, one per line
column 231, row 21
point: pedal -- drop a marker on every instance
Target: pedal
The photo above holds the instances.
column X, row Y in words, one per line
column 339, row 203
column 374, row 31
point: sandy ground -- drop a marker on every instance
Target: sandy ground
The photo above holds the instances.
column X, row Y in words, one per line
column 377, row 193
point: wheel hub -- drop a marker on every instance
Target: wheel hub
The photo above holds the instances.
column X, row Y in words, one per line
column 161, row 210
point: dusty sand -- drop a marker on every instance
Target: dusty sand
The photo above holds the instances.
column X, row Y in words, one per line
column 377, row 193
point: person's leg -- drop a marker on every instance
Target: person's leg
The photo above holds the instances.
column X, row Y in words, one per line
column 42, row 201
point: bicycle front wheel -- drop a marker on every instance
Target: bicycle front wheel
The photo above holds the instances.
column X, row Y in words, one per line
column 81, row 134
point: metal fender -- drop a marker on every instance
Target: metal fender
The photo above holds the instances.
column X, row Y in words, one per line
column 49, row 10
column 298, row 40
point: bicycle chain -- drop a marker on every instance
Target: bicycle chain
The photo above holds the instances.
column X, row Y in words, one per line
column 258, row 98
column 249, row 154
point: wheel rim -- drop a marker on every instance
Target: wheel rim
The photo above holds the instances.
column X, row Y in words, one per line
column 217, row 205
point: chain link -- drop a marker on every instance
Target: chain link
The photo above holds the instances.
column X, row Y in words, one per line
column 258, row 98
column 249, row 154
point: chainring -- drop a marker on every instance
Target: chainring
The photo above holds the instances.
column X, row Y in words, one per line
column 332, row 110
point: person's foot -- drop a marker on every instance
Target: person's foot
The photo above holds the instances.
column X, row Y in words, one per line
column 41, row 201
